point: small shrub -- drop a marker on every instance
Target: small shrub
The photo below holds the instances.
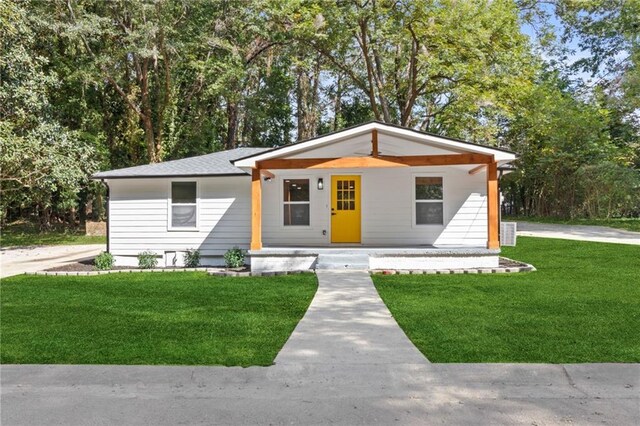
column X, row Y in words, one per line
column 147, row 260
column 192, row 258
column 234, row 258
column 104, row 261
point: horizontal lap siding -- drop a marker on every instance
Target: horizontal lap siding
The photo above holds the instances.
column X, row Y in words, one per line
column 387, row 208
column 138, row 216
column 139, row 212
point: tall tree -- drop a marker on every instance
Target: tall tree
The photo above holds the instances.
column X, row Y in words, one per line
column 414, row 60
column 43, row 165
column 128, row 45
column 241, row 36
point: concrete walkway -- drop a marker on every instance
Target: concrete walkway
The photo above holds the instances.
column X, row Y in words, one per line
column 600, row 234
column 327, row 373
column 15, row 261
column 348, row 323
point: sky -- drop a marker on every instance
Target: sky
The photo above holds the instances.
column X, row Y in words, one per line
column 575, row 53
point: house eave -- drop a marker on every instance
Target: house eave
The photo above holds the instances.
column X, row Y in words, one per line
column 172, row 176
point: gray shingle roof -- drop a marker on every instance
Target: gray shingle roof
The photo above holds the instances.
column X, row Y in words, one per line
column 216, row 164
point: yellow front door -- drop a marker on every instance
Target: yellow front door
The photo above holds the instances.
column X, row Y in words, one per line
column 345, row 209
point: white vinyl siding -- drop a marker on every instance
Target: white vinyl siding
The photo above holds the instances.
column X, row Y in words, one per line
column 388, row 201
column 139, row 213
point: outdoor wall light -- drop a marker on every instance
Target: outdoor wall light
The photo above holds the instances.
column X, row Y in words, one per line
column 320, row 184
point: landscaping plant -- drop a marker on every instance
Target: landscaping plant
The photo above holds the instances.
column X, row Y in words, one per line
column 147, row 260
column 192, row 258
column 234, row 258
column 104, row 261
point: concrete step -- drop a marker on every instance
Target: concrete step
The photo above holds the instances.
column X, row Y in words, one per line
column 342, row 261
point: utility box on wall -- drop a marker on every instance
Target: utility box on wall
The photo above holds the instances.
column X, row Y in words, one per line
column 508, row 233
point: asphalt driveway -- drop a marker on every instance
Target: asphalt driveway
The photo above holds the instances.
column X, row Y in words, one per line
column 347, row 363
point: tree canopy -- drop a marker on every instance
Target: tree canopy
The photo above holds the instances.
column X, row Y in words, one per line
column 89, row 84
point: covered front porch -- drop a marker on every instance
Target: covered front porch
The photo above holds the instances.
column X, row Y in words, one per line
column 375, row 197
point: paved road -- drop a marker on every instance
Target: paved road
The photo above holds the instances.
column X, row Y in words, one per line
column 335, row 376
column 365, row 394
column 601, row 234
column 15, row 261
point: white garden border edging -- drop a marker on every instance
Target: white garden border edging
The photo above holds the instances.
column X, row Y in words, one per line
column 524, row 267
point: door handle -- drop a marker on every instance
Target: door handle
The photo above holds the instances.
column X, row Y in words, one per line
column 333, row 213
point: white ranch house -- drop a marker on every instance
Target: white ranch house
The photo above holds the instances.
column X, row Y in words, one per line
column 373, row 196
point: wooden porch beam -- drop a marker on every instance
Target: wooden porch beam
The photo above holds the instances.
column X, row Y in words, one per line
column 442, row 160
column 371, row 162
column 374, row 143
column 493, row 241
column 256, row 210
column 477, row 169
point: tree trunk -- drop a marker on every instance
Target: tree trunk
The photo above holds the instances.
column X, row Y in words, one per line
column 307, row 100
column 232, row 125
column 337, row 105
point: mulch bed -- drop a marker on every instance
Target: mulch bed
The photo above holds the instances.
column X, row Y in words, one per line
column 509, row 263
column 87, row 266
column 82, row 266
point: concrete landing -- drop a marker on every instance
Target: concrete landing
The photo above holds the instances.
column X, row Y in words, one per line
column 348, row 323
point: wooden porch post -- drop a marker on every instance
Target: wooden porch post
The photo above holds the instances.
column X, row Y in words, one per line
column 493, row 240
column 256, row 210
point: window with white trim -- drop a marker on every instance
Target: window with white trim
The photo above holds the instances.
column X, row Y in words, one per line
column 429, row 203
column 296, row 202
column 184, row 205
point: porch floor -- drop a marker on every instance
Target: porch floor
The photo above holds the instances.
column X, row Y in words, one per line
column 424, row 250
column 371, row 257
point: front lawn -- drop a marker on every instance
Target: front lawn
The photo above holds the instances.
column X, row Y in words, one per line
column 150, row 318
column 582, row 305
column 20, row 234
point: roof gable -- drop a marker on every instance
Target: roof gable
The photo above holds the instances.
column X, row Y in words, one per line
column 392, row 140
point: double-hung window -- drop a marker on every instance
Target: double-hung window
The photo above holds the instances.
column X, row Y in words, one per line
column 184, row 205
column 296, row 202
column 429, row 201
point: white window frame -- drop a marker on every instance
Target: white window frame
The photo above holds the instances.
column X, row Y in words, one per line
column 284, row 203
column 170, row 204
column 414, row 200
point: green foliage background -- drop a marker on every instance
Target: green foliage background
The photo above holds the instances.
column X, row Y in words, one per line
column 88, row 85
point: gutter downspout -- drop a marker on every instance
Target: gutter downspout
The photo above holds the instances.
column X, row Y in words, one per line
column 500, row 173
column 107, row 208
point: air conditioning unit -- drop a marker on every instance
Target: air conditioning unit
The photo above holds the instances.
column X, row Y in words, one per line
column 508, row 233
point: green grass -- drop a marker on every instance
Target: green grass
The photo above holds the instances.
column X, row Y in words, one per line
column 149, row 318
column 582, row 305
column 630, row 224
column 21, row 234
